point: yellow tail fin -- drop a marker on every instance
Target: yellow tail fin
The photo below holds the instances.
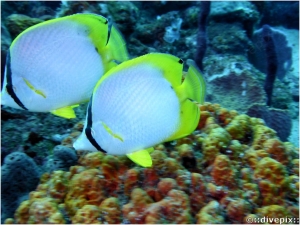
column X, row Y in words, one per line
column 116, row 51
column 194, row 84
column 190, row 92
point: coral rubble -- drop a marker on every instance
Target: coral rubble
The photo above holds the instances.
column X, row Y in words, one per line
column 231, row 168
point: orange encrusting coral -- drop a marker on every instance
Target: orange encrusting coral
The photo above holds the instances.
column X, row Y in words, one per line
column 86, row 189
column 231, row 168
column 88, row 214
column 110, row 211
column 210, row 214
column 223, row 173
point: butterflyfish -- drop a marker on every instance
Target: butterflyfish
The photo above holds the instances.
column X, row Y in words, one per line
column 140, row 103
column 55, row 65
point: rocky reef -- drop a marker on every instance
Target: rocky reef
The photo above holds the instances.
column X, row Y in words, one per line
column 231, row 168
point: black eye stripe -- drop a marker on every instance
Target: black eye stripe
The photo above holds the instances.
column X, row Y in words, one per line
column 9, row 85
column 88, row 129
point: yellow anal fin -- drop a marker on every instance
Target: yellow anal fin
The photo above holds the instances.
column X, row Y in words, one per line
column 141, row 158
column 65, row 112
column 39, row 92
column 191, row 92
column 115, row 49
column 111, row 132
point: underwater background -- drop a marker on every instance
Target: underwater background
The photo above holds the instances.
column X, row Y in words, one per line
column 241, row 163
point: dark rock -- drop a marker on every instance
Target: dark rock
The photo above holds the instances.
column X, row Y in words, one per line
column 235, row 11
column 295, row 95
column 34, row 138
column 19, row 176
column 233, row 82
column 63, row 158
column 162, row 7
column 17, row 23
column 124, row 15
column 277, row 119
column 29, row 8
column 280, row 13
column 20, row 123
column 43, row 12
column 225, row 38
column 189, row 163
column 73, row 7
column 5, row 115
column 190, row 17
column 150, row 32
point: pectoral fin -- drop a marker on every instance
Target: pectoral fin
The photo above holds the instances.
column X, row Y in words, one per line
column 141, row 157
column 66, row 112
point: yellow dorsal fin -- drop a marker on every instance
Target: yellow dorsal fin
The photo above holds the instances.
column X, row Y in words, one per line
column 65, row 112
column 170, row 66
column 39, row 92
column 141, row 158
column 111, row 132
column 191, row 92
column 97, row 27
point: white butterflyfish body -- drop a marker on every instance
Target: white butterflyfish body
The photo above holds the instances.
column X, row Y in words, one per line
column 53, row 66
column 140, row 103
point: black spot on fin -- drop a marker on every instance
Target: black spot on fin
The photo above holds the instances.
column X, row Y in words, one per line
column 180, row 61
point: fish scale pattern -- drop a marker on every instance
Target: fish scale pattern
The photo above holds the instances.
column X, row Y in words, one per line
column 125, row 111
